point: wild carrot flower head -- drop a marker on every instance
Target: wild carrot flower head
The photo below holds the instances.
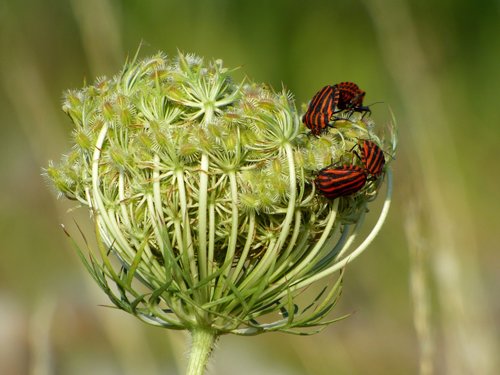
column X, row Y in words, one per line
column 203, row 197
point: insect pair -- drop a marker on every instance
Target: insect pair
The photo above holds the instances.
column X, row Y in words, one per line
column 334, row 182
column 331, row 100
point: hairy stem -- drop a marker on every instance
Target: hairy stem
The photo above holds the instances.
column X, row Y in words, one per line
column 203, row 342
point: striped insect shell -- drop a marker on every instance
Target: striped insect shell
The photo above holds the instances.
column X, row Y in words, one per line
column 320, row 110
column 349, row 96
column 334, row 182
column 372, row 158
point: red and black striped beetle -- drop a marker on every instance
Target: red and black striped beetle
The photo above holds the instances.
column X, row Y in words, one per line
column 372, row 158
column 330, row 100
column 334, row 182
column 320, row 110
column 349, row 97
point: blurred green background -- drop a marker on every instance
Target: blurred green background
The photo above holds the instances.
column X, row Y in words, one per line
column 423, row 299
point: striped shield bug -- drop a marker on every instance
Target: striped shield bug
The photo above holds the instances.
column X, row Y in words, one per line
column 320, row 110
column 372, row 158
column 330, row 100
column 348, row 96
column 334, row 182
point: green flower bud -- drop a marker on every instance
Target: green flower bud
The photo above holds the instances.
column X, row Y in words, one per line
column 204, row 192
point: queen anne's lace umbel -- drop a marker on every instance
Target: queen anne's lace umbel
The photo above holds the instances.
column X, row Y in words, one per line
column 203, row 196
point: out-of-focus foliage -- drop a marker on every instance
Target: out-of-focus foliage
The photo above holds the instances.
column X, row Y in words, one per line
column 435, row 65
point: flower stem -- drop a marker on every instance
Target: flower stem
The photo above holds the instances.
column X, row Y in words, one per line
column 203, row 342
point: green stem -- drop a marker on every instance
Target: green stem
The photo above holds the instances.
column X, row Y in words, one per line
column 203, row 342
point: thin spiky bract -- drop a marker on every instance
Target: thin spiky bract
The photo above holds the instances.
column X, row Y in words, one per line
column 203, row 191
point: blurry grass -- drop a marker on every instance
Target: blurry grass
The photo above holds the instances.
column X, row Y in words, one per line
column 420, row 289
column 299, row 45
column 39, row 336
column 98, row 18
column 465, row 316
